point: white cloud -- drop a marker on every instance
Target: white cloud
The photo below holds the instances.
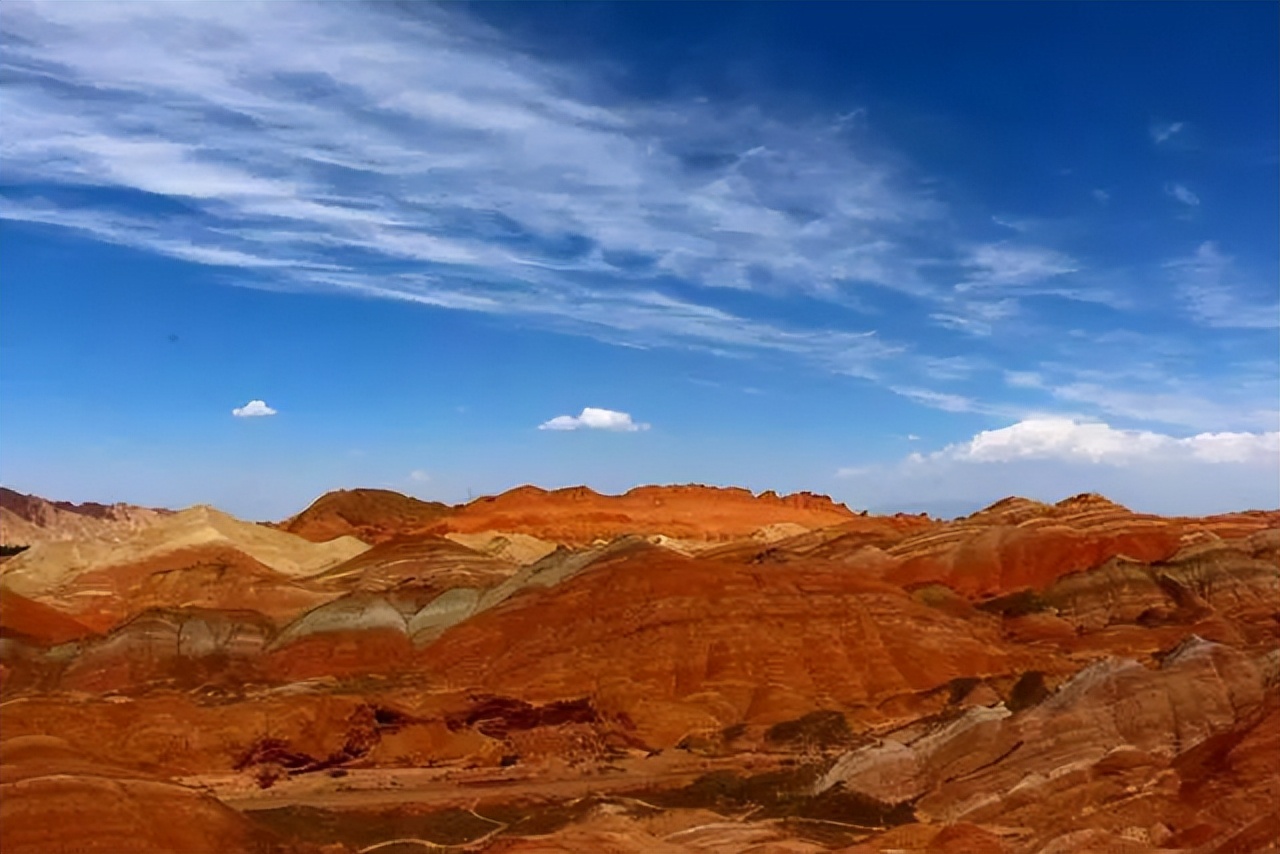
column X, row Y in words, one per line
column 595, row 419
column 1164, row 131
column 253, row 409
column 419, row 476
column 1182, row 193
column 1096, row 442
column 1050, row 457
column 1101, row 196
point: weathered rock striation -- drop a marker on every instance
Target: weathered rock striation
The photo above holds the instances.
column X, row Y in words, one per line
column 683, row 669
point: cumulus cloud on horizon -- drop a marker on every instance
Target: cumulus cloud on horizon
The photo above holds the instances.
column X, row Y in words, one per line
column 1097, row 442
column 253, row 409
column 593, row 418
column 1049, row 457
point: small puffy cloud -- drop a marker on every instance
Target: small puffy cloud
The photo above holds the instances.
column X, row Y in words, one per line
column 419, row 476
column 1182, row 193
column 1164, row 131
column 1051, row 457
column 253, row 409
column 1101, row 196
column 595, row 419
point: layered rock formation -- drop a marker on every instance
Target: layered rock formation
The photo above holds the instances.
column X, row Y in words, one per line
column 679, row 643
column 44, row 569
column 52, row 798
column 678, row 669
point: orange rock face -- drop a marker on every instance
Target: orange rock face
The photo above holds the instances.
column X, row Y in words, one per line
column 372, row 515
column 26, row 620
column 671, row 640
column 214, row 577
column 53, row 799
column 1017, row 544
column 580, row 516
column 991, row 561
column 680, row 669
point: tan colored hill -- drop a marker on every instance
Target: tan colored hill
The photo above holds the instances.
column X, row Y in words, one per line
column 426, row 563
column 46, row 567
column 371, row 515
column 520, row 549
column 28, row 519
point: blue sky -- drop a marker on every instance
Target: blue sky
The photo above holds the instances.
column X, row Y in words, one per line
column 915, row 256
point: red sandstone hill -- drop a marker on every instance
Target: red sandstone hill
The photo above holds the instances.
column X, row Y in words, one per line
column 371, row 515
column 680, row 643
column 1018, row 544
column 57, row 799
column 579, row 516
column 204, row 576
column 27, row 620
column 571, row 516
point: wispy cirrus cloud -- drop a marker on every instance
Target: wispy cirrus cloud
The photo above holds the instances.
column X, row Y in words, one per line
column 1218, row 294
column 282, row 145
column 997, row 265
column 288, row 147
column 1182, row 193
column 1157, row 378
column 1162, row 132
column 319, row 151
